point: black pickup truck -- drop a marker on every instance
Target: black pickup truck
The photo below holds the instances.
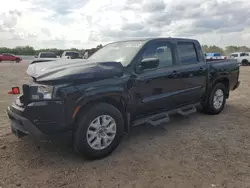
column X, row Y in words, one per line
column 122, row 85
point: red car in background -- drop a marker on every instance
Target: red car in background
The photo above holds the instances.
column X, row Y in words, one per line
column 10, row 57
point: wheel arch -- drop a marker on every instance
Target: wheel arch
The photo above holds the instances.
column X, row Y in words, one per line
column 225, row 81
column 117, row 101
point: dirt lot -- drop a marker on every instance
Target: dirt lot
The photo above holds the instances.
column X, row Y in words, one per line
column 198, row 151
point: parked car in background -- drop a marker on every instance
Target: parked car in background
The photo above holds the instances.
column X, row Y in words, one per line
column 122, row 85
column 70, row 55
column 242, row 57
column 46, row 55
column 10, row 57
column 214, row 56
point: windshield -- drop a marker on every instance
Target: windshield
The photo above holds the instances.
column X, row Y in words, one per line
column 122, row 52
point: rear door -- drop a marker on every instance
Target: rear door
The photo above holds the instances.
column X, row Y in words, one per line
column 193, row 71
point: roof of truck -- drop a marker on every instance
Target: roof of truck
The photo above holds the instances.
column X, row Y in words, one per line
column 145, row 40
column 157, row 38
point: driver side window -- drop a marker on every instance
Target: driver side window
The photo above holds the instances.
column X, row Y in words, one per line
column 161, row 51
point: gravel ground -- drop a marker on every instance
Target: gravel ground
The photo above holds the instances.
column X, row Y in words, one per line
column 196, row 151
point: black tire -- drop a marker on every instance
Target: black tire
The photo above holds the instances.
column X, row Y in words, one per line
column 80, row 137
column 245, row 62
column 17, row 60
column 208, row 107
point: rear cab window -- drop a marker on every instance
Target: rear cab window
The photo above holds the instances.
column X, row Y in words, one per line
column 74, row 54
column 187, row 53
column 47, row 55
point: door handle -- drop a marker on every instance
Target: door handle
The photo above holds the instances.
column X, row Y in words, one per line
column 175, row 74
column 147, row 81
column 202, row 69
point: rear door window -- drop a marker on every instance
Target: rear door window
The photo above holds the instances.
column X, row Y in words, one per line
column 243, row 54
column 187, row 53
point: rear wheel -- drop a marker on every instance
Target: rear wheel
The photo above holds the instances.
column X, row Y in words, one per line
column 216, row 99
column 99, row 131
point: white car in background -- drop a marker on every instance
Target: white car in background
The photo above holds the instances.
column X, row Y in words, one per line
column 242, row 57
column 44, row 57
column 70, row 55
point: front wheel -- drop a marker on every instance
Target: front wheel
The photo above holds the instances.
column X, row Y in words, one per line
column 99, row 131
column 216, row 100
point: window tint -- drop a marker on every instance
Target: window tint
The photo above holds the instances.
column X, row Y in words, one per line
column 187, row 53
column 72, row 54
column 242, row 54
column 5, row 54
column 234, row 55
column 160, row 50
column 47, row 55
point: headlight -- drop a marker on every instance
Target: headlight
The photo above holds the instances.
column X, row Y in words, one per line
column 42, row 92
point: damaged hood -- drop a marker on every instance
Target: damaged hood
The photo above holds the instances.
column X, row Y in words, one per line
column 74, row 69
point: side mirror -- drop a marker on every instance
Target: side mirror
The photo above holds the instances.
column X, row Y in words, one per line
column 36, row 56
column 149, row 63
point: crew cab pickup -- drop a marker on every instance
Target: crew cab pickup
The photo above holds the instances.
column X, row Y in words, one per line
column 242, row 57
column 122, row 85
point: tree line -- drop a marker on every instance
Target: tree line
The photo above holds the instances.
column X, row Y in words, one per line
column 225, row 51
column 29, row 50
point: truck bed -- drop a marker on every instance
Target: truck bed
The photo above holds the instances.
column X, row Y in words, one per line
column 227, row 67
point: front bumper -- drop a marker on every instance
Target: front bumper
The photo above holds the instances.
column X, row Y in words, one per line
column 21, row 126
column 39, row 119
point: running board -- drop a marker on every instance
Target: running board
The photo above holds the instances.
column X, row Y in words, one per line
column 187, row 111
column 163, row 117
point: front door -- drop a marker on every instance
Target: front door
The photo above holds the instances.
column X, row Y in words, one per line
column 155, row 89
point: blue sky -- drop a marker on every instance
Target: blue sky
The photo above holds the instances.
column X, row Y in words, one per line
column 87, row 23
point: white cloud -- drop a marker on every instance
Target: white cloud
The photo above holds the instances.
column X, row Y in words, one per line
column 87, row 23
